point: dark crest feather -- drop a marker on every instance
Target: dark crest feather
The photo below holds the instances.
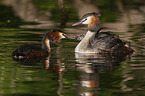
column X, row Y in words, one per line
column 90, row 14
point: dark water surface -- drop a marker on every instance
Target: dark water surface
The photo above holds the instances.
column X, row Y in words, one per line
column 66, row 73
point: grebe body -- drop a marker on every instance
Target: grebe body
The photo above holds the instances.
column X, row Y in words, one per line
column 33, row 51
column 96, row 41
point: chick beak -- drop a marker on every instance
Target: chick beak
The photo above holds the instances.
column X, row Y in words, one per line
column 78, row 23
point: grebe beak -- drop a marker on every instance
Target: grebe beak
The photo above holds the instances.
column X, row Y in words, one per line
column 63, row 35
column 78, row 23
column 68, row 36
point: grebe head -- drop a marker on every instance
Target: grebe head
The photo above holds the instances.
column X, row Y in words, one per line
column 92, row 20
column 52, row 36
column 88, row 18
column 55, row 35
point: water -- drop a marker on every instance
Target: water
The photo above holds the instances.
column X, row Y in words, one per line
column 65, row 73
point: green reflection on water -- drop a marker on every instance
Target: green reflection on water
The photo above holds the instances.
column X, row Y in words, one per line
column 19, row 79
column 30, row 79
column 8, row 19
column 53, row 8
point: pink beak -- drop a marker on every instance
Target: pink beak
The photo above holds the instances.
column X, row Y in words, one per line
column 78, row 23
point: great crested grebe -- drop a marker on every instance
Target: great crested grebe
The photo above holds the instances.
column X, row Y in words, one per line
column 32, row 51
column 96, row 41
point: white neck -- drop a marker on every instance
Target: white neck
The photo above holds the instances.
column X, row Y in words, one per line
column 89, row 34
column 82, row 46
column 46, row 44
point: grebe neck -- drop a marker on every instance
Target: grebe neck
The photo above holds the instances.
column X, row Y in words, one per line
column 94, row 24
column 89, row 34
column 82, row 46
column 46, row 44
column 94, row 28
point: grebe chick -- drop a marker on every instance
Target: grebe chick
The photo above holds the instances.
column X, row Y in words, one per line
column 32, row 51
column 96, row 41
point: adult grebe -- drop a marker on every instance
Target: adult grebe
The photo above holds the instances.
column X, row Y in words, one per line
column 96, row 41
column 32, row 51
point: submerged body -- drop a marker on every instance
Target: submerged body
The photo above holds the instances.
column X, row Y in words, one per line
column 96, row 41
column 33, row 51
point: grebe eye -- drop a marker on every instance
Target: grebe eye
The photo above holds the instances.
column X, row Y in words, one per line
column 84, row 19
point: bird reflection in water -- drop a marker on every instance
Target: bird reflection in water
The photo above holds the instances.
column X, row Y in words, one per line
column 89, row 67
column 53, row 65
